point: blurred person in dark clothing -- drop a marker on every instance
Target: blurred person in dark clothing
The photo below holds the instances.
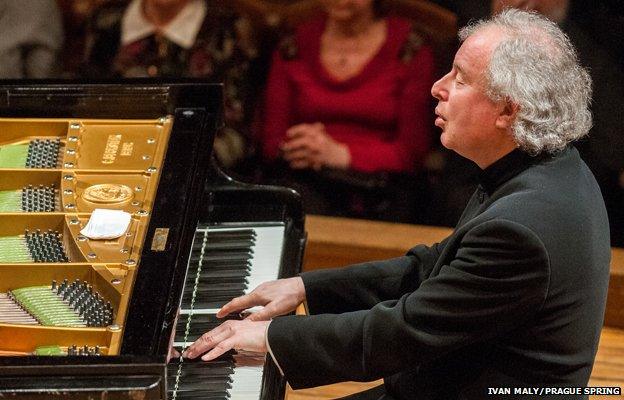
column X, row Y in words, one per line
column 31, row 37
column 603, row 149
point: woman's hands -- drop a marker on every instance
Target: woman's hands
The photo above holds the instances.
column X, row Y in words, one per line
column 278, row 298
column 309, row 146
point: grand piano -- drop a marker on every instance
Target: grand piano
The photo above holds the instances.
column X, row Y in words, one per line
column 85, row 316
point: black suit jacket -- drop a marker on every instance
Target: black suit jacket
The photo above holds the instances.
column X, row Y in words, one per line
column 514, row 297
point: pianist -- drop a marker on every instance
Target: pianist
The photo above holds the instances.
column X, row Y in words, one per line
column 515, row 296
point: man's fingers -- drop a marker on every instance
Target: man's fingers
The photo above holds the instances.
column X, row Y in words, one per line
column 219, row 349
column 208, row 340
column 262, row 315
column 268, row 312
column 238, row 304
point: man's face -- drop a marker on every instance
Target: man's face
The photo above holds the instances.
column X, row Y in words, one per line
column 467, row 116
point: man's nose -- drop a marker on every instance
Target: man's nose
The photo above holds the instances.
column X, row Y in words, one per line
column 437, row 90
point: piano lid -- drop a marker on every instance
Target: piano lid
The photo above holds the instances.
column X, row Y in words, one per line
column 129, row 98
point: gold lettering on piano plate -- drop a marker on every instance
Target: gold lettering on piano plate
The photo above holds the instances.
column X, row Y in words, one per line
column 108, row 193
column 159, row 242
column 126, row 149
column 111, row 148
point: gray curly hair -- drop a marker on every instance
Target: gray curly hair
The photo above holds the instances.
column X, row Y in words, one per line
column 537, row 67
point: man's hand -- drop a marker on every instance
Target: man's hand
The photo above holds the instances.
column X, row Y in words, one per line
column 309, row 146
column 239, row 335
column 278, row 298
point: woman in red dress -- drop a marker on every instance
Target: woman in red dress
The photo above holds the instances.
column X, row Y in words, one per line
column 349, row 92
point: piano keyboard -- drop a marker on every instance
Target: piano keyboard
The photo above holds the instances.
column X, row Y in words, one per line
column 231, row 262
column 225, row 262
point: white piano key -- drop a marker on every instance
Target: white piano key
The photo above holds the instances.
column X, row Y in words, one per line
column 267, row 255
column 199, row 311
column 246, row 383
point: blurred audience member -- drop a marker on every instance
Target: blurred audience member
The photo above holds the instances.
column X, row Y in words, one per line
column 76, row 15
column 347, row 104
column 31, row 37
column 180, row 38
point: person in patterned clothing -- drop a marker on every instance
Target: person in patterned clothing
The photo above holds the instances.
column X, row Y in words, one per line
column 176, row 39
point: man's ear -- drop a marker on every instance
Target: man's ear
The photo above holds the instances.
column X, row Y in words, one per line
column 507, row 115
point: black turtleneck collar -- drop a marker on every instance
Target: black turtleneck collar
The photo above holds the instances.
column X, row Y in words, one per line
column 506, row 168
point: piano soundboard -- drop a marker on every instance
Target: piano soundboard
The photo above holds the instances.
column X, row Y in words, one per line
column 97, row 317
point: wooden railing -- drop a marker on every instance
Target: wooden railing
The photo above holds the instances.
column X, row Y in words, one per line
column 334, row 242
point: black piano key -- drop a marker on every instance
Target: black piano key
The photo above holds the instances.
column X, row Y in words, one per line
column 218, row 286
column 225, row 255
column 208, row 292
column 204, row 320
column 216, row 298
column 211, row 273
column 224, row 360
column 233, row 236
column 210, row 295
column 216, row 275
column 211, row 283
column 214, row 303
column 194, row 261
column 240, row 278
column 207, row 387
column 195, row 332
column 218, row 233
column 209, row 270
column 220, row 243
column 201, row 396
column 233, row 245
column 235, row 265
column 208, row 379
column 209, row 263
column 206, row 375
